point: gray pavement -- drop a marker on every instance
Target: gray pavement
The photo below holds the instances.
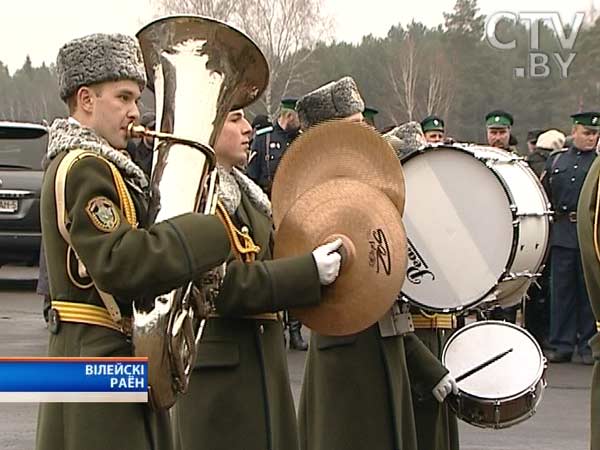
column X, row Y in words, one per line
column 561, row 422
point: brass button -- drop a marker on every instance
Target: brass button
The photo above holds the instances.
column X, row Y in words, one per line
column 261, row 329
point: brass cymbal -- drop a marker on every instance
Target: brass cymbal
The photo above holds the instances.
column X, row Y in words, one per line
column 373, row 261
column 331, row 150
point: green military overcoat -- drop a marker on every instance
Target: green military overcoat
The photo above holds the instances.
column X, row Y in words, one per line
column 437, row 426
column 586, row 215
column 239, row 395
column 127, row 263
column 356, row 392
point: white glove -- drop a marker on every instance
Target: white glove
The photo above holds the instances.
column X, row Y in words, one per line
column 444, row 387
column 328, row 261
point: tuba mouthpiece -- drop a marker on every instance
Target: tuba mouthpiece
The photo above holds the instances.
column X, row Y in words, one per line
column 135, row 131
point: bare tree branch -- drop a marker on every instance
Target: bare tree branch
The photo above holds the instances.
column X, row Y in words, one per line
column 285, row 30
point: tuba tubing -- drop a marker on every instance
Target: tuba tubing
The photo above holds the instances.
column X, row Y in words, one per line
column 199, row 69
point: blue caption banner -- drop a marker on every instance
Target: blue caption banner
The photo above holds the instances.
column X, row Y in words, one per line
column 73, row 375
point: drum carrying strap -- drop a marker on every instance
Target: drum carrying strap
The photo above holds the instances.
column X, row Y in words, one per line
column 395, row 322
column 422, row 320
column 62, row 219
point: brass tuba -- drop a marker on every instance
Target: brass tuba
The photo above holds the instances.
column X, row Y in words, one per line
column 199, row 69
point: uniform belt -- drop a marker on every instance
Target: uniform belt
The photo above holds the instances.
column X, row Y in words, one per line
column 89, row 314
column 263, row 316
column 571, row 216
column 395, row 322
column 434, row 321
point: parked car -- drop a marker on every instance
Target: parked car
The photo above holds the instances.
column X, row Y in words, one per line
column 22, row 147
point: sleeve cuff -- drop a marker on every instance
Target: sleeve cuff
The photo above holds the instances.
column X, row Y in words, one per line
column 204, row 239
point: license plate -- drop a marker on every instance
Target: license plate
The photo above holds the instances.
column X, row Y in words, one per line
column 8, row 206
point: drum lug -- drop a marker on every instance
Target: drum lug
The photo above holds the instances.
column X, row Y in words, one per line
column 514, row 275
column 517, row 215
column 490, row 161
column 496, row 413
column 531, row 398
column 533, row 214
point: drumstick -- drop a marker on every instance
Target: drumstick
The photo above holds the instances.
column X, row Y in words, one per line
column 483, row 365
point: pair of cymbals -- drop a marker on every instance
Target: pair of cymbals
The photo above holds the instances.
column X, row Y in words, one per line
column 336, row 149
column 343, row 180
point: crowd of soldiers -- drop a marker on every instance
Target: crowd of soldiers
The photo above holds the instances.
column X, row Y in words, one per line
column 373, row 389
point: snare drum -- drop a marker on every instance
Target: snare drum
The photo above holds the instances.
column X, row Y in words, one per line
column 477, row 221
column 506, row 391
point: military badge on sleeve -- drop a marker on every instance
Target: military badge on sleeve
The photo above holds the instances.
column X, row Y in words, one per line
column 103, row 214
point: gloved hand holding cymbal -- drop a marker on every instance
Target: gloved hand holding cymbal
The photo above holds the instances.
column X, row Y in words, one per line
column 444, row 387
column 328, row 261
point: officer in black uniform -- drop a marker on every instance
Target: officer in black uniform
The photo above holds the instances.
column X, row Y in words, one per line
column 270, row 143
column 571, row 320
column 268, row 146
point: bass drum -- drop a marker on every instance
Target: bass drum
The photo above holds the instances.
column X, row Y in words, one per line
column 508, row 390
column 477, row 221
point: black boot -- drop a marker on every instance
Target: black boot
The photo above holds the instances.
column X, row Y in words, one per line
column 296, row 341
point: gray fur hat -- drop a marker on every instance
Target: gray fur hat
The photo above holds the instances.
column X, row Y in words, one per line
column 406, row 138
column 334, row 100
column 97, row 58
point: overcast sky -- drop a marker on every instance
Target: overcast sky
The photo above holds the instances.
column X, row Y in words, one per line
column 40, row 27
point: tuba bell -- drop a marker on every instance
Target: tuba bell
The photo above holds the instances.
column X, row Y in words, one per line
column 199, row 69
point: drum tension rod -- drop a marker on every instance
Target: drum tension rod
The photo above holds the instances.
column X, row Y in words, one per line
column 515, row 275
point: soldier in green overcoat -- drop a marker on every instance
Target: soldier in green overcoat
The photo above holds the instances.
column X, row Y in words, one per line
column 239, row 395
column 100, row 199
column 588, row 215
column 356, row 392
column 436, row 424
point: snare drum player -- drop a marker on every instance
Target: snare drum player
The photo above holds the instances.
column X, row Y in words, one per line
column 356, row 389
column 572, row 323
column 588, row 231
column 436, row 424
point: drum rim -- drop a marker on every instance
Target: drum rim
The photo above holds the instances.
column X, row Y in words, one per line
column 540, row 375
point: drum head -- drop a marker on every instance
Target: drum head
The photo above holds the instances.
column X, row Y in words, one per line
column 507, row 377
column 459, row 227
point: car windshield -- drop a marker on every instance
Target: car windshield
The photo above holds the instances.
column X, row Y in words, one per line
column 22, row 153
